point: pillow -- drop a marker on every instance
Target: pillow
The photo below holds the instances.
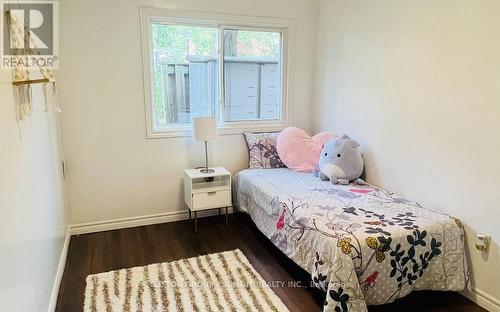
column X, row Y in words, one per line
column 262, row 150
column 298, row 151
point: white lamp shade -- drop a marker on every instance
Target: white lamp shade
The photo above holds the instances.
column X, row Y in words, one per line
column 204, row 129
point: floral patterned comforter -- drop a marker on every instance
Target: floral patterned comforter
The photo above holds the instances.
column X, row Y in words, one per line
column 361, row 244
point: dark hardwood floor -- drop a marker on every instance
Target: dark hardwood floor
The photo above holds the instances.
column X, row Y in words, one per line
column 112, row 250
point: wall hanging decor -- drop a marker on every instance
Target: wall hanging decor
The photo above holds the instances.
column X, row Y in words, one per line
column 23, row 76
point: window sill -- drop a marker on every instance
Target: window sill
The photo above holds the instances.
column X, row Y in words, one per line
column 182, row 132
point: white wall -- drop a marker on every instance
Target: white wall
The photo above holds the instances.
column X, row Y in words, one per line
column 418, row 84
column 32, row 206
column 114, row 171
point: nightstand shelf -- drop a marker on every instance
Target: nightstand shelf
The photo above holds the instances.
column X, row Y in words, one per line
column 207, row 191
column 209, row 187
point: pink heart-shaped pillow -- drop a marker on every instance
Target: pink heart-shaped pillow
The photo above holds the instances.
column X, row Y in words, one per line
column 298, row 151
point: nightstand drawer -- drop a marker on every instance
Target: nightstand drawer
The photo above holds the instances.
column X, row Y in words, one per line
column 211, row 199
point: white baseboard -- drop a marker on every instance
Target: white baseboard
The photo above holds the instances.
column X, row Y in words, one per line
column 482, row 299
column 107, row 225
column 60, row 272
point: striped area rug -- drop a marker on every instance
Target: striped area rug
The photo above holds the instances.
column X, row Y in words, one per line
column 223, row 281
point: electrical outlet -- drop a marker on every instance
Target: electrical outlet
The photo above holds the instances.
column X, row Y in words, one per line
column 482, row 241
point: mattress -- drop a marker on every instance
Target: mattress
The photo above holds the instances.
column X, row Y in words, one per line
column 361, row 244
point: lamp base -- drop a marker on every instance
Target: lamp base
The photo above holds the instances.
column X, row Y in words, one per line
column 207, row 170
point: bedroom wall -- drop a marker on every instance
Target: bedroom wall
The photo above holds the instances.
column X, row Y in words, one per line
column 33, row 217
column 114, row 171
column 418, row 83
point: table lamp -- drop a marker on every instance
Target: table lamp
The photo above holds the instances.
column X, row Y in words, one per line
column 205, row 130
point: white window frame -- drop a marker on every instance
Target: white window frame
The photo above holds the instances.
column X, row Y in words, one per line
column 286, row 27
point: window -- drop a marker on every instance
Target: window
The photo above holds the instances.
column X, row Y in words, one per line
column 185, row 71
column 252, row 62
column 198, row 64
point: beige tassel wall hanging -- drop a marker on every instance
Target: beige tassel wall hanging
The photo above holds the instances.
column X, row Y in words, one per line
column 21, row 81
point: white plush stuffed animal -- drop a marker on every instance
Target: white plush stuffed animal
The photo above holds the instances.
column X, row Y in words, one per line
column 340, row 161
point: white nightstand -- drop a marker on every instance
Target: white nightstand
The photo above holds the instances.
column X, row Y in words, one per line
column 202, row 194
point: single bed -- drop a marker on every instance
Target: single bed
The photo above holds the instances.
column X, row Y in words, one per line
column 361, row 244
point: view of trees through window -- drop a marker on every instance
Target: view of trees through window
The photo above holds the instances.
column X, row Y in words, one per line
column 186, row 71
